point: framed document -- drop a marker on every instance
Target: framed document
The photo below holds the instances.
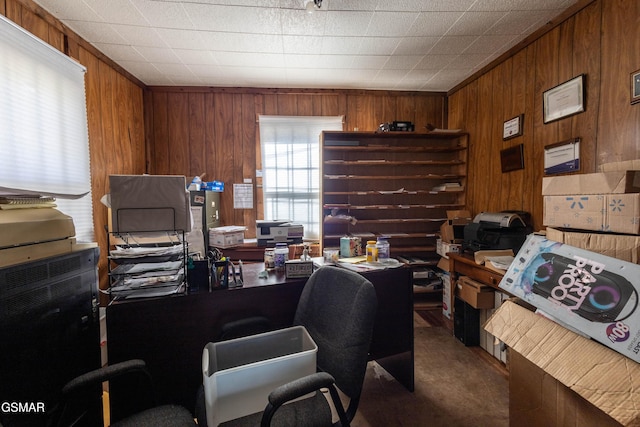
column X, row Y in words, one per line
column 512, row 127
column 564, row 100
column 562, row 157
column 635, row 87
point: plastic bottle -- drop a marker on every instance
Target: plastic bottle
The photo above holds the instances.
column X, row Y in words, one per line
column 269, row 261
column 372, row 251
column 280, row 255
column 384, row 251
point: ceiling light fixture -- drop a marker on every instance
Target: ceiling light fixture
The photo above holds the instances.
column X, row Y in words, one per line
column 313, row 5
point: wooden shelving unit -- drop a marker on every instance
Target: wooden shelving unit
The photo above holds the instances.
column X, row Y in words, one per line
column 394, row 184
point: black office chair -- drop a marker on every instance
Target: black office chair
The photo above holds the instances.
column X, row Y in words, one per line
column 79, row 394
column 337, row 307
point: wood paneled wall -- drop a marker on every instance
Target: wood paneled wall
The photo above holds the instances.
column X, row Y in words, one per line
column 215, row 131
column 114, row 109
column 601, row 41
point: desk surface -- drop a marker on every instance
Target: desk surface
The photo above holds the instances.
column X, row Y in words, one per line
column 169, row 333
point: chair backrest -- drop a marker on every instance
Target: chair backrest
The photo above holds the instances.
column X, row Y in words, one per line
column 338, row 307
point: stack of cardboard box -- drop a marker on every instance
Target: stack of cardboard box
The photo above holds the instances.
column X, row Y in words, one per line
column 451, row 238
column 595, row 218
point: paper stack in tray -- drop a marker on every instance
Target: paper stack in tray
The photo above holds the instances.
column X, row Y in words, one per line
column 147, row 271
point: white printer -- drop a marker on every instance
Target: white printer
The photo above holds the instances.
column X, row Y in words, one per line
column 269, row 233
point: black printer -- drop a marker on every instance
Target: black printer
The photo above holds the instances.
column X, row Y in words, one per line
column 496, row 230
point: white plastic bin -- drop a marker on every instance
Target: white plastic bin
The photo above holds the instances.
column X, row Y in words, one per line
column 239, row 374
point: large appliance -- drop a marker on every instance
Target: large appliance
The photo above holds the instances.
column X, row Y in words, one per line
column 49, row 332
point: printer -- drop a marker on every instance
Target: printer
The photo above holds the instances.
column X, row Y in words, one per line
column 496, row 230
column 269, row 233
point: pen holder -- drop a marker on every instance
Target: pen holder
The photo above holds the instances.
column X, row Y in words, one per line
column 198, row 275
column 220, row 274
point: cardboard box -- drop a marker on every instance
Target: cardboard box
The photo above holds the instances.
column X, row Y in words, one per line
column 621, row 246
column 620, row 166
column 604, row 378
column 538, row 399
column 474, row 293
column 443, row 248
column 452, row 230
column 226, row 237
column 612, row 182
column 595, row 294
column 613, row 213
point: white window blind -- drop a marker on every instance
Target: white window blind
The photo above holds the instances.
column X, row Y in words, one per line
column 291, row 168
column 44, row 142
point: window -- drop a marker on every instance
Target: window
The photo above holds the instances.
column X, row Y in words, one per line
column 291, row 168
column 43, row 125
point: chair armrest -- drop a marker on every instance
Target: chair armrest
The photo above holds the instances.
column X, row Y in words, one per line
column 106, row 373
column 300, row 387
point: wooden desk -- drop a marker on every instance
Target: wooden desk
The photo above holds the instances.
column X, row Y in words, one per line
column 463, row 264
column 169, row 333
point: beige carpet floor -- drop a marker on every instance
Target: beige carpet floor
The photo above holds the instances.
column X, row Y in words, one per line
column 454, row 386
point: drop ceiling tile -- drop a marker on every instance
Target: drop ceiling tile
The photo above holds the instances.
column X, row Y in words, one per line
column 203, row 70
column 508, row 5
column 195, row 57
column 236, row 59
column 143, row 36
column 425, row 6
column 466, row 61
column 307, row 45
column 403, row 62
column 519, row 22
column 489, row 44
column 118, row 11
column 237, row 19
column 96, row 32
column 235, row 42
column 142, row 70
column 339, row 62
column 474, row 23
column 369, row 62
column 165, row 14
column 75, row 10
column 452, row 45
column 159, row 55
column 379, row 45
column 415, row 45
column 119, row 52
column 433, row 24
column 391, row 24
column 435, row 62
column 347, row 23
column 423, row 75
column 341, row 45
column 304, row 61
column 298, row 22
column 183, row 39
